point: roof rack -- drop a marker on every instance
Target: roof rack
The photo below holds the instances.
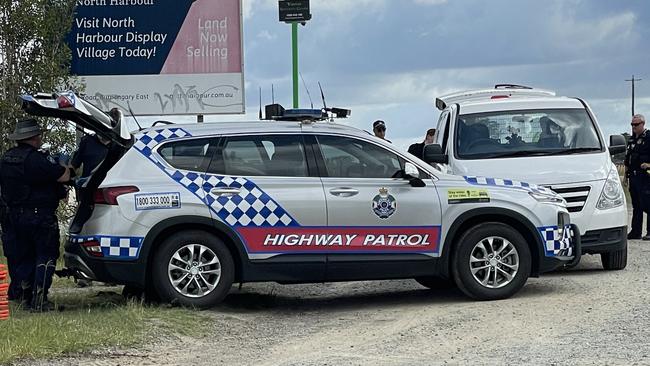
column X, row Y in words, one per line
column 276, row 112
column 511, row 86
column 161, row 123
column 499, row 91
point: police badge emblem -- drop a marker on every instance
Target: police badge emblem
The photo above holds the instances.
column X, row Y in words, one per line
column 384, row 205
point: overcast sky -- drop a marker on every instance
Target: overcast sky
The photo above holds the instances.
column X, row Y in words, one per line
column 389, row 59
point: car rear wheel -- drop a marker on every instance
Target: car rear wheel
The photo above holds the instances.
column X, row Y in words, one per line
column 193, row 268
column 492, row 261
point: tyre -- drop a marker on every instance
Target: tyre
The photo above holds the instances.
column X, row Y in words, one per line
column 616, row 260
column 193, row 268
column 436, row 283
column 491, row 261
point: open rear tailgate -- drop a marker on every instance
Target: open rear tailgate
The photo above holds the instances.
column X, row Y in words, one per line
column 68, row 106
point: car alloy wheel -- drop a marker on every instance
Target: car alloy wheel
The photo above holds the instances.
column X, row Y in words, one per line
column 194, row 270
column 494, row 262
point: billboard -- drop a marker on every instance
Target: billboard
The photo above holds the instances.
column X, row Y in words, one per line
column 160, row 57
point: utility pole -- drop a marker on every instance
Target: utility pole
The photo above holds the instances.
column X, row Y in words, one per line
column 633, row 80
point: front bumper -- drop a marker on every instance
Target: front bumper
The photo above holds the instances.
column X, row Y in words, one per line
column 604, row 240
column 569, row 257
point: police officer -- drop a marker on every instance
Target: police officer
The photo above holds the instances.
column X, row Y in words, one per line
column 637, row 162
column 379, row 129
column 417, row 149
column 31, row 185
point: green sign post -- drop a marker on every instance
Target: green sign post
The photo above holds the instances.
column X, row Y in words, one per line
column 294, row 12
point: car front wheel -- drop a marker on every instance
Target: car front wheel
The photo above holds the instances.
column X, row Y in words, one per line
column 193, row 268
column 492, row 261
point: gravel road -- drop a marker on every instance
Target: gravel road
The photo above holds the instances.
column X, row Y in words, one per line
column 585, row 316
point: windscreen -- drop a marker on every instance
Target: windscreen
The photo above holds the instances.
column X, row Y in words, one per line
column 525, row 133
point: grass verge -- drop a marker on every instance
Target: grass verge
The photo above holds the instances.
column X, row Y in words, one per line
column 90, row 321
column 92, row 318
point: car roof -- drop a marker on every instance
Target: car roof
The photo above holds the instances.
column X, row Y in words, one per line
column 254, row 127
column 511, row 104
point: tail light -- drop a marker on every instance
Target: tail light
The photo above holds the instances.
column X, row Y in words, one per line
column 93, row 248
column 499, row 96
column 64, row 102
column 108, row 196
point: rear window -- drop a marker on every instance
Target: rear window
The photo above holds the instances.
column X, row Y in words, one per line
column 187, row 154
column 525, row 133
column 280, row 156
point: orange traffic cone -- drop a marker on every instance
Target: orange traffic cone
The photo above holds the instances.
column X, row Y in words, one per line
column 4, row 288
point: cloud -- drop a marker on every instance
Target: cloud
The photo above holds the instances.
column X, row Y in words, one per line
column 266, row 35
column 430, row 2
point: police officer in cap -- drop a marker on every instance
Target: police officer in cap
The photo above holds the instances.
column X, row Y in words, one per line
column 637, row 162
column 31, row 185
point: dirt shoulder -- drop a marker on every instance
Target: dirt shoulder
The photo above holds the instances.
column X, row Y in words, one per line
column 583, row 316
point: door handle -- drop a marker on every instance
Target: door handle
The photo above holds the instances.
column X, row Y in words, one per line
column 225, row 191
column 344, row 191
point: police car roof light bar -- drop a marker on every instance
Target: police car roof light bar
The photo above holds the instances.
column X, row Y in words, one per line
column 277, row 113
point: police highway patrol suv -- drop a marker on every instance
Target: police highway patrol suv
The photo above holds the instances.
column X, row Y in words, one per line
column 187, row 210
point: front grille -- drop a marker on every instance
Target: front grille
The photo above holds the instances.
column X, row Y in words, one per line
column 576, row 197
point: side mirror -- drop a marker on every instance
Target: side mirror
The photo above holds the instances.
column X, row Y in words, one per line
column 617, row 144
column 411, row 170
column 433, row 154
column 412, row 174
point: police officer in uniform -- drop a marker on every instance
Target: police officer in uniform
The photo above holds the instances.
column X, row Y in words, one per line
column 637, row 162
column 31, row 185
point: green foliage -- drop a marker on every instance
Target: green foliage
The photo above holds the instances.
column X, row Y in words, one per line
column 35, row 58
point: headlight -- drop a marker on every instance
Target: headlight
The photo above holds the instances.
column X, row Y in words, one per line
column 548, row 198
column 612, row 195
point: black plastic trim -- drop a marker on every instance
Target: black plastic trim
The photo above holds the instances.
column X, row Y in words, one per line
column 597, row 241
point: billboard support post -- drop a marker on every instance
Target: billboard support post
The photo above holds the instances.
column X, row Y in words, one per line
column 294, row 12
column 294, row 48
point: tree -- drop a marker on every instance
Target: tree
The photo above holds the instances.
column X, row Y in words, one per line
column 34, row 57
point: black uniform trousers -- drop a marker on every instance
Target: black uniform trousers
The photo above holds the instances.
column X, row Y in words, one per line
column 640, row 194
column 31, row 244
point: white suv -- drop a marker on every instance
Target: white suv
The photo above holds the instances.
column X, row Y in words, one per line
column 186, row 210
column 531, row 134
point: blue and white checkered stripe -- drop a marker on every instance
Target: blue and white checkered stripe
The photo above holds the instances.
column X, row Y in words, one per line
column 251, row 207
column 556, row 244
column 499, row 182
column 148, row 140
column 113, row 247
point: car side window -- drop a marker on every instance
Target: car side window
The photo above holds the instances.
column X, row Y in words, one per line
column 351, row 158
column 279, row 155
column 187, row 154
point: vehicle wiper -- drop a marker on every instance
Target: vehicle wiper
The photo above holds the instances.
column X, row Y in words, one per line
column 569, row 151
column 511, row 154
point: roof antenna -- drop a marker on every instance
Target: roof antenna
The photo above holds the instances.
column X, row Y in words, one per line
column 133, row 115
column 322, row 95
column 260, row 114
column 306, row 89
